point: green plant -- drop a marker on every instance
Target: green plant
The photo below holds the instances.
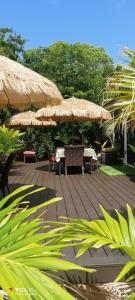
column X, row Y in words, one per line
column 11, row 43
column 39, row 139
column 115, row 232
column 74, row 132
column 28, row 251
column 120, row 93
column 77, row 69
column 10, row 140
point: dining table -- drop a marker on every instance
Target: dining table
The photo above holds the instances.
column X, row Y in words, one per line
column 88, row 152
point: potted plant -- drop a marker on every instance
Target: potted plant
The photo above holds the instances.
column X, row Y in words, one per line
column 109, row 153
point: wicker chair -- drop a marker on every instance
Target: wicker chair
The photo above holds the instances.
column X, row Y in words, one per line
column 74, row 157
column 51, row 159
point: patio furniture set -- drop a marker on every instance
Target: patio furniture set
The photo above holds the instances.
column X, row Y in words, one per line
column 73, row 156
column 21, row 87
column 68, row 156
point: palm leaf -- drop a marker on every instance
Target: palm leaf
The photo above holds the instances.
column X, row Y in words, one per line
column 120, row 93
column 24, row 254
column 116, row 233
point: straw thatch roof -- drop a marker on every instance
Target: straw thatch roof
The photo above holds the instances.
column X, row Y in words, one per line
column 74, row 109
column 22, row 87
column 27, row 119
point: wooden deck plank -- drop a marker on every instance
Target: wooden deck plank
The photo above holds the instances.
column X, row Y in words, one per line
column 81, row 199
column 78, row 183
column 70, row 210
column 116, row 187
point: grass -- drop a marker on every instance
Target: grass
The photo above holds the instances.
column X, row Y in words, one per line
column 118, row 170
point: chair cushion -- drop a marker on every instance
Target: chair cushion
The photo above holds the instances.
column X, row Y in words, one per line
column 29, row 153
column 53, row 158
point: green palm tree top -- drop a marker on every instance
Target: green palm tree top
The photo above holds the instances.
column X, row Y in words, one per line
column 120, row 92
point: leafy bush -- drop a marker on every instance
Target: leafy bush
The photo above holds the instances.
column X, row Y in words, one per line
column 39, row 139
column 10, row 140
column 75, row 132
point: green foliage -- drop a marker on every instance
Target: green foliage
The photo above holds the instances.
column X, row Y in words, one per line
column 10, row 140
column 77, row 69
column 65, row 133
column 39, row 139
column 132, row 297
column 116, row 233
column 120, row 93
column 11, row 44
column 27, row 250
column 75, row 132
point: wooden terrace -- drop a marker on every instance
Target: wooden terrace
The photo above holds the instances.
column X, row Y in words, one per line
column 81, row 199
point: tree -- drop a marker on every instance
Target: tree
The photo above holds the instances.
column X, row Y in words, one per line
column 121, row 92
column 11, row 43
column 77, row 69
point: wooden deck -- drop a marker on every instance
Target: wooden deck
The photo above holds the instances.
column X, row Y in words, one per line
column 81, row 199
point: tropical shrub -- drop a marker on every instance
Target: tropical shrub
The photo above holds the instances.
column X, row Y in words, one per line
column 10, row 140
column 39, row 139
column 75, row 132
column 27, row 251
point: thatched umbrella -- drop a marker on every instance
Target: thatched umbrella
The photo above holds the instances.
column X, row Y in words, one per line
column 74, row 109
column 21, row 87
column 28, row 119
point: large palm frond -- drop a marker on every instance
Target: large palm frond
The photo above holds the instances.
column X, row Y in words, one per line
column 121, row 92
column 116, row 233
column 27, row 252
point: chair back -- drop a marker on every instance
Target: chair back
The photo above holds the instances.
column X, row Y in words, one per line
column 7, row 167
column 74, row 155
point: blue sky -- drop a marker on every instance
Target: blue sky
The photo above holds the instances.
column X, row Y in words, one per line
column 106, row 23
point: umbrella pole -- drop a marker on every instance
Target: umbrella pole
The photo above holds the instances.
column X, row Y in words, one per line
column 72, row 130
column 30, row 138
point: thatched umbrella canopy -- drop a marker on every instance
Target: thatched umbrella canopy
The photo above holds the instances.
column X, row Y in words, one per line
column 21, row 87
column 28, row 119
column 74, row 109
